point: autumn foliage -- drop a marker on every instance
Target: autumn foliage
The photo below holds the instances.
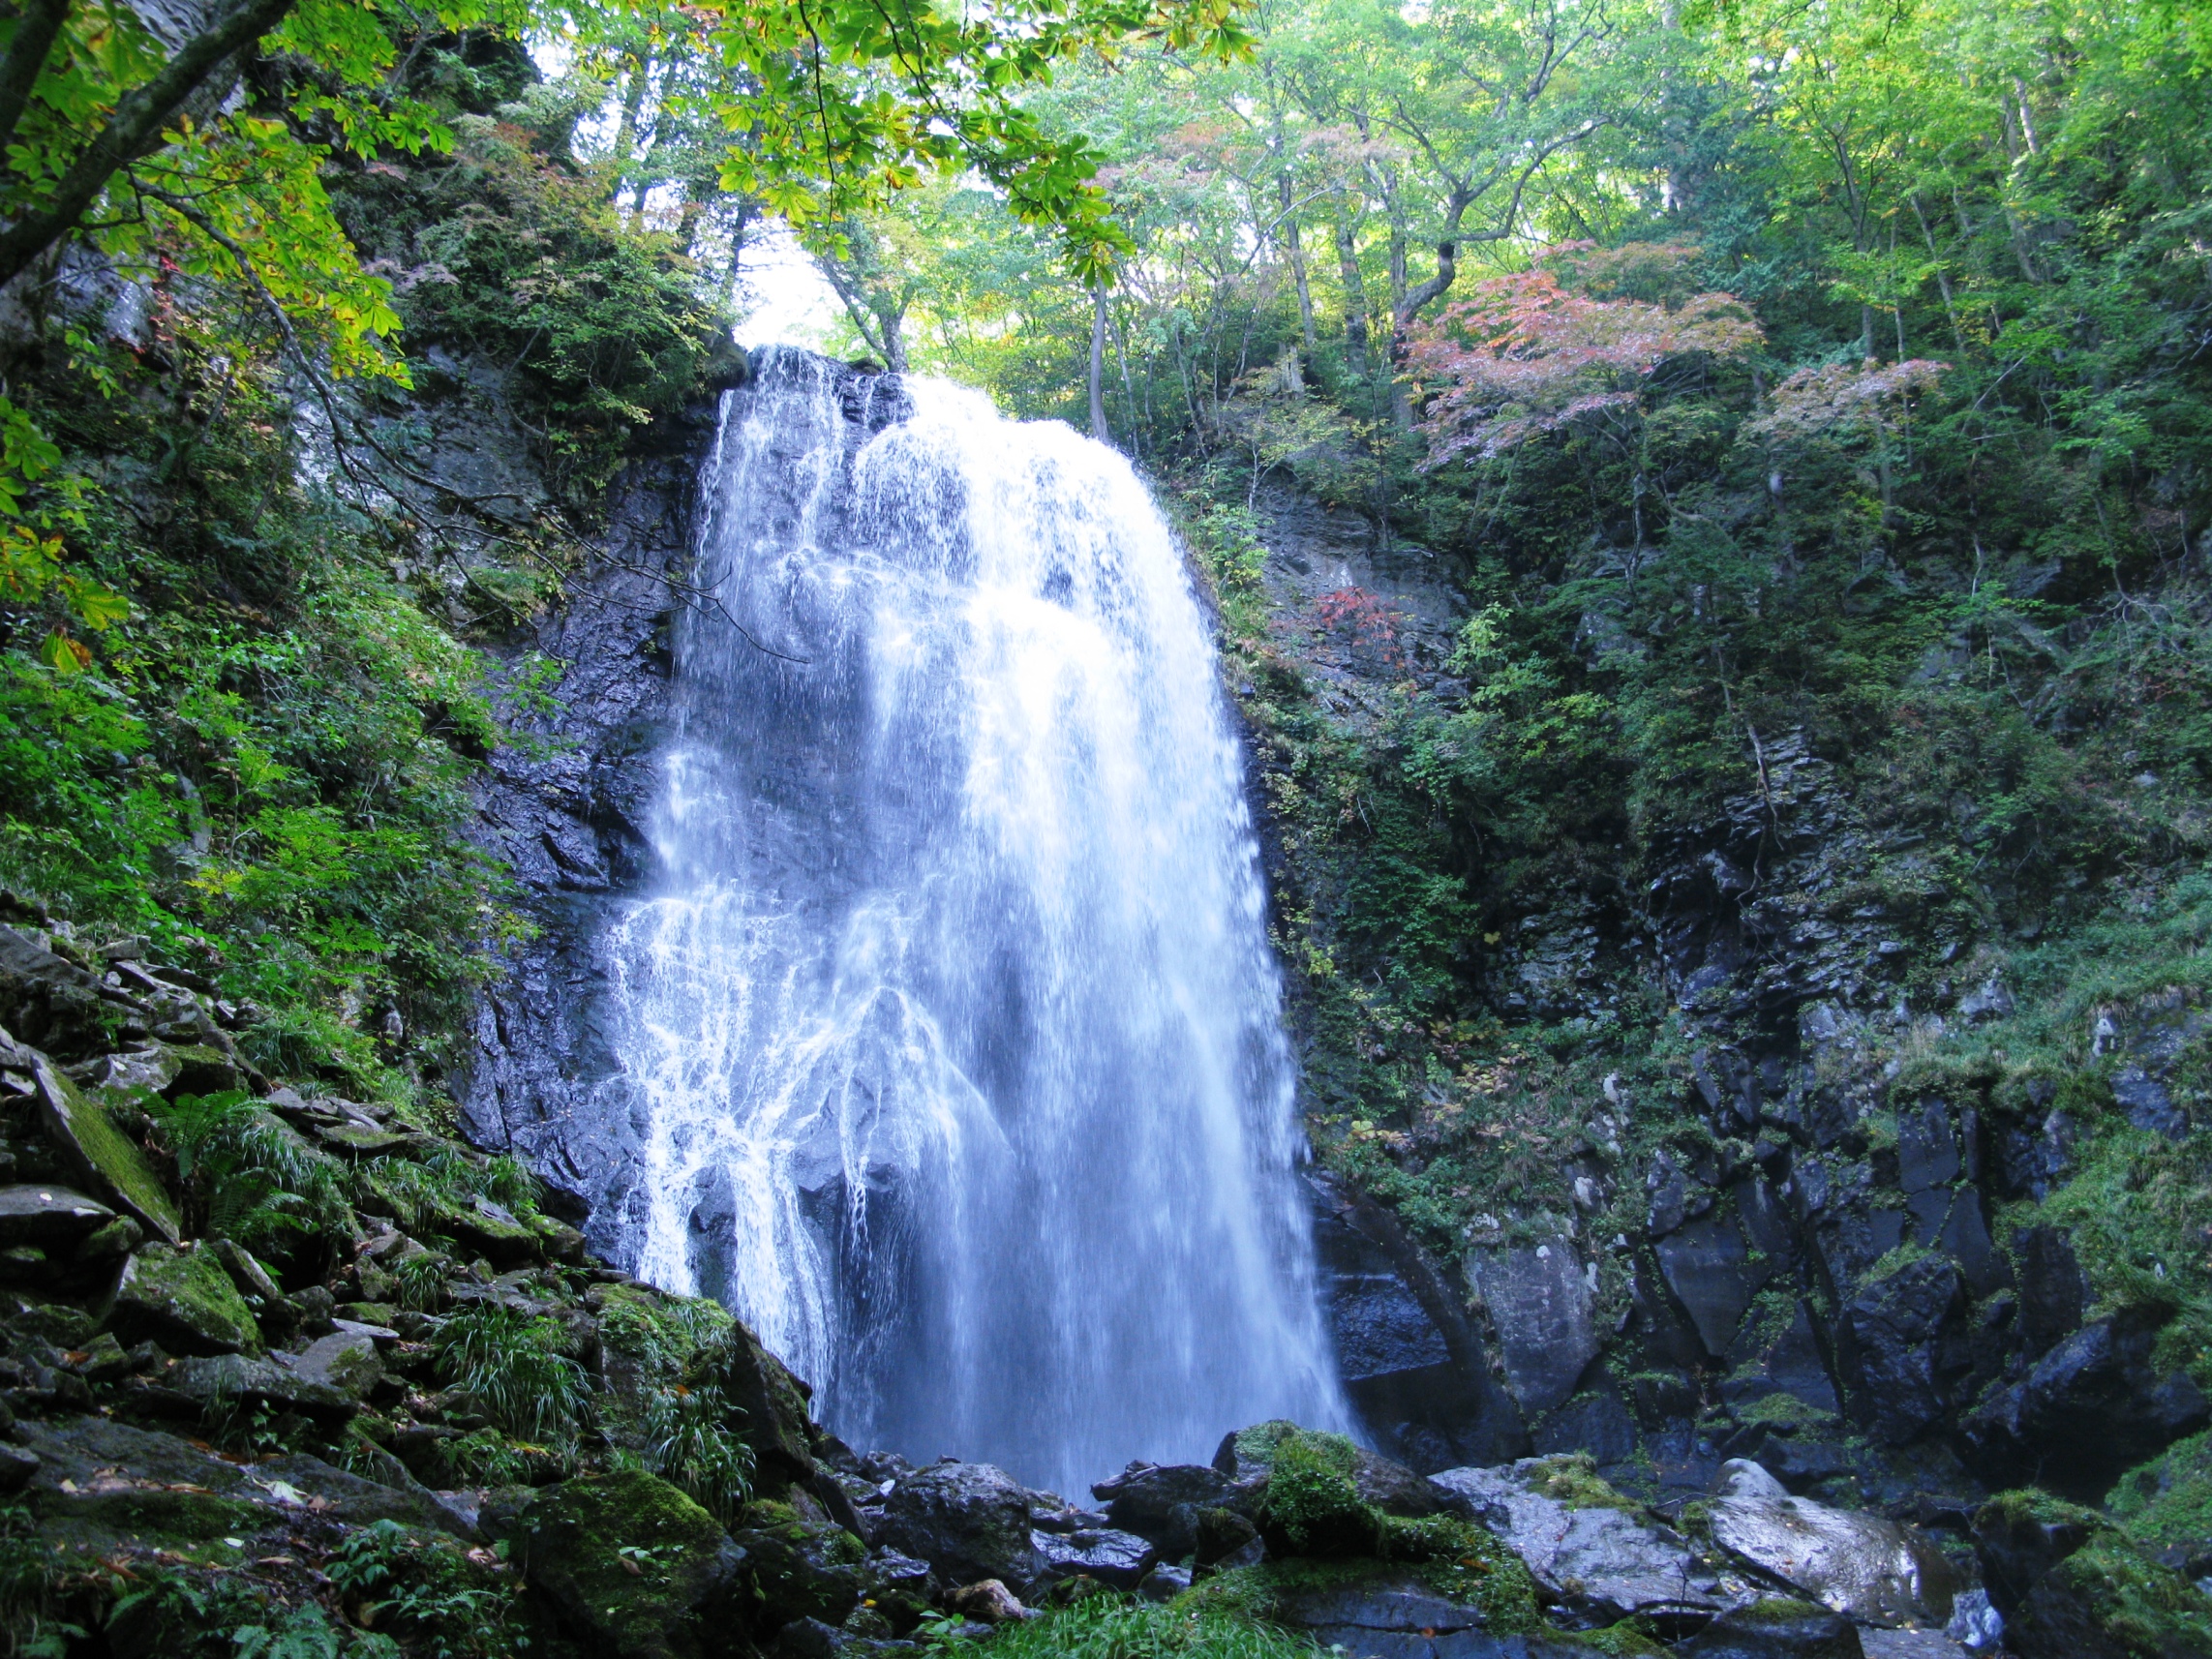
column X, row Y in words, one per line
column 1523, row 355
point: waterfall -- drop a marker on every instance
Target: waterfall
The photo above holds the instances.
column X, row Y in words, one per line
column 951, row 1030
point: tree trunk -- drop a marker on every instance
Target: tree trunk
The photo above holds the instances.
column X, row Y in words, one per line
column 1297, row 256
column 1098, row 364
column 1355, row 300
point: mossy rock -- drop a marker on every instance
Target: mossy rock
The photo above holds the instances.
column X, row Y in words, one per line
column 632, row 1567
column 183, row 1300
column 1369, row 1606
column 2074, row 1586
column 1313, row 1505
column 794, row 1569
column 105, row 1160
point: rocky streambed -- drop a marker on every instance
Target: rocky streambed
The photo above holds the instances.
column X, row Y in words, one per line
column 283, row 1367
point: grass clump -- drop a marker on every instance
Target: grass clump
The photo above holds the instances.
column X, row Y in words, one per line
column 510, row 1365
column 690, row 1443
column 1117, row 1627
column 245, row 1175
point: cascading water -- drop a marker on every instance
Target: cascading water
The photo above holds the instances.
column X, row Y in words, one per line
column 953, row 1034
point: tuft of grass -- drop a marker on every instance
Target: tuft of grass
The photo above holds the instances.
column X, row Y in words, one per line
column 511, row 1366
column 246, row 1175
column 690, row 1443
column 421, row 1280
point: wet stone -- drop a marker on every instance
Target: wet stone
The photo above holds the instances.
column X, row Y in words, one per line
column 1865, row 1567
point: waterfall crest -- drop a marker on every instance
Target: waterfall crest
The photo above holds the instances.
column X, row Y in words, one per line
column 952, row 1033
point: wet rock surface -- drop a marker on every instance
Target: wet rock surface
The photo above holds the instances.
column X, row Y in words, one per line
column 1865, row 1567
column 1603, row 1558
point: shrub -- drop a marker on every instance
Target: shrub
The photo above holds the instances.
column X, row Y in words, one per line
column 424, row 1591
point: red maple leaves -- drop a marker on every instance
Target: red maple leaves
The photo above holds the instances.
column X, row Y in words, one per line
column 1522, row 355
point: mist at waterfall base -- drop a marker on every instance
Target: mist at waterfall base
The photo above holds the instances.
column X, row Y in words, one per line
column 952, row 1032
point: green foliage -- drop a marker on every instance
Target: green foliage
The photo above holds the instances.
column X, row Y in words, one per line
column 511, row 1366
column 2167, row 1503
column 691, row 1443
column 1119, row 1627
column 424, row 1591
column 250, row 1177
column 421, row 1280
column 1313, row 1505
column 1460, row 1560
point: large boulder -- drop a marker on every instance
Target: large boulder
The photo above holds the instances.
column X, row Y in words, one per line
column 2071, row 1585
column 797, row 1569
column 48, row 1218
column 633, row 1567
column 2090, row 1409
column 1102, row 1553
column 968, row 1520
column 1907, row 1334
column 49, row 1003
column 1545, row 1312
column 100, row 1156
column 1598, row 1553
column 1864, row 1566
column 1366, row 1609
column 1162, row 1503
column 1712, row 1273
column 183, row 1300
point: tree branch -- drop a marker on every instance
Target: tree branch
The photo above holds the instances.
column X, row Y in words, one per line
column 134, row 130
column 36, row 32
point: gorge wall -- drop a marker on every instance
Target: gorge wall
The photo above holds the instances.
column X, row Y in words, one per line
column 1783, row 1220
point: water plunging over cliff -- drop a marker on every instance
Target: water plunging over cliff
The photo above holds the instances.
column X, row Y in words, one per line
column 952, row 1032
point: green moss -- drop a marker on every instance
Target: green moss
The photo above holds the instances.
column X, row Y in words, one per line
column 1119, row 1627
column 1259, row 1446
column 2167, row 1502
column 1573, row 1479
column 106, row 1158
column 1313, row 1505
column 1782, row 1410
column 624, row 1555
column 1622, row 1641
column 1464, row 1563
column 2145, row 1608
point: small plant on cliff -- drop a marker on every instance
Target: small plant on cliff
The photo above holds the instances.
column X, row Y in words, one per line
column 690, row 1443
column 512, row 1365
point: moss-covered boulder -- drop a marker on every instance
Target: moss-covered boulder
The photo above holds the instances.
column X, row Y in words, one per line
column 632, row 1567
column 182, row 1299
column 2072, row 1585
column 105, row 1160
column 969, row 1521
column 1313, row 1505
column 1249, row 1453
column 798, row 1569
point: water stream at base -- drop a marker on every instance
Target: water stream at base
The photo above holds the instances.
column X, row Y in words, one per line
column 952, row 1032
